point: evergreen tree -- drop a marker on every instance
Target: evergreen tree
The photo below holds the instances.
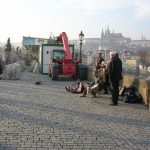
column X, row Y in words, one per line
column 7, row 52
column 8, row 46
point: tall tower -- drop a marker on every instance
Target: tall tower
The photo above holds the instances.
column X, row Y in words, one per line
column 102, row 36
column 102, row 33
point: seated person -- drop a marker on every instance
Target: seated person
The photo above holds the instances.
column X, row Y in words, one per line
column 78, row 89
column 95, row 86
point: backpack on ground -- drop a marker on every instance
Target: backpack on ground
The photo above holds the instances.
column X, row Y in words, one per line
column 131, row 95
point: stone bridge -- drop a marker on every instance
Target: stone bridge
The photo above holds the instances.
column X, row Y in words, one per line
column 46, row 117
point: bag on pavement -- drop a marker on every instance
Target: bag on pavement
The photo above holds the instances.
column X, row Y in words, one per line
column 131, row 95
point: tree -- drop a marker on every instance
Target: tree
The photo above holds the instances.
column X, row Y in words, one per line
column 7, row 51
column 8, row 46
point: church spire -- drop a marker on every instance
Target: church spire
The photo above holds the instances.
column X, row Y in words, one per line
column 108, row 31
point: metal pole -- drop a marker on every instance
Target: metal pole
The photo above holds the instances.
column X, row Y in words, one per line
column 81, row 52
column 105, row 54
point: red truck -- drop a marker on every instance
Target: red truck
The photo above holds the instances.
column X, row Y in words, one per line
column 62, row 62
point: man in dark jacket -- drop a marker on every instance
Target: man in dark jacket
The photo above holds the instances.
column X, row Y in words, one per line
column 115, row 75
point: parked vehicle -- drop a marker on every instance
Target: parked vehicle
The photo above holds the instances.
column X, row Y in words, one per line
column 63, row 63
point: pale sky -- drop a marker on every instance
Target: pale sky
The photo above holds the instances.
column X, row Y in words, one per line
column 38, row 18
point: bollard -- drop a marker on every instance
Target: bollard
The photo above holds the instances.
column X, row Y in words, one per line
column 36, row 72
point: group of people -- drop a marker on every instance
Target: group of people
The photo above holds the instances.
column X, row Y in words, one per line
column 106, row 76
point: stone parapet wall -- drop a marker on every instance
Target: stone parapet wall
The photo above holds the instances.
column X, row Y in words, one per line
column 142, row 85
column 90, row 74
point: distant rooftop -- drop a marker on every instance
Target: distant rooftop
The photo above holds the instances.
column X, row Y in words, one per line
column 33, row 41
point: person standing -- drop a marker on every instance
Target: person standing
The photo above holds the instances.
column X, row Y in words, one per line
column 105, row 78
column 115, row 75
column 99, row 60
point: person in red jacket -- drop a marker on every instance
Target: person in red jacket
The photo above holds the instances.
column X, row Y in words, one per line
column 99, row 60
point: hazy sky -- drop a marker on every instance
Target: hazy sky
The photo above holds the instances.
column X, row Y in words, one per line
column 39, row 18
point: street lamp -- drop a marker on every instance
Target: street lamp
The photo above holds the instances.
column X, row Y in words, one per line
column 81, row 38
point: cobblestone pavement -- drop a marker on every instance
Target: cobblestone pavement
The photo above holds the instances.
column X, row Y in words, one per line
column 46, row 117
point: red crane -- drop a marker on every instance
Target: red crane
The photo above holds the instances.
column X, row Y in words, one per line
column 62, row 60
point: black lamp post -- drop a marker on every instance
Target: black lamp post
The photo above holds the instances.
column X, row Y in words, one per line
column 81, row 38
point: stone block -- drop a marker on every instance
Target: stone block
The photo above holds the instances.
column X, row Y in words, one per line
column 12, row 71
column 128, row 80
column 145, row 95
